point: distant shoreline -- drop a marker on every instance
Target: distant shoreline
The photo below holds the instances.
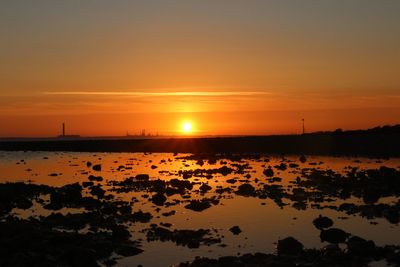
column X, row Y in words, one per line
column 377, row 142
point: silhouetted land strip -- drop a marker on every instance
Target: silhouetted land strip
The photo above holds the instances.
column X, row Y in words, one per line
column 380, row 141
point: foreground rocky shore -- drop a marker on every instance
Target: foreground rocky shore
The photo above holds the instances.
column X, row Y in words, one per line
column 96, row 221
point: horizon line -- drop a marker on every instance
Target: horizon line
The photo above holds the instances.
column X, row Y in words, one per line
column 158, row 94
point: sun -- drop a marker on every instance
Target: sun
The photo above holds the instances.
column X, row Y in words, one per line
column 187, row 127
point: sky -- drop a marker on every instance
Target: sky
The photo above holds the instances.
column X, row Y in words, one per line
column 229, row 67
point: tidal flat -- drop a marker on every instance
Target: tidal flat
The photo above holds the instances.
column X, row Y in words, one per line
column 165, row 209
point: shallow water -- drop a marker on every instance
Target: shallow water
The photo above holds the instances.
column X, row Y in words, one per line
column 262, row 221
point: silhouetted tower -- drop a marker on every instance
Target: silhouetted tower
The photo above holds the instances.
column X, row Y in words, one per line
column 63, row 129
column 304, row 129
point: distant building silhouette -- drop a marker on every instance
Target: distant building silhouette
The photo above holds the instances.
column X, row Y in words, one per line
column 63, row 135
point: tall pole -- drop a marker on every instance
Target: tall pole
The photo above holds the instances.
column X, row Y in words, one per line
column 63, row 129
column 304, row 130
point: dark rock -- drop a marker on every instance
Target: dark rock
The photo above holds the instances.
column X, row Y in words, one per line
column 235, row 230
column 289, row 246
column 189, row 238
column 360, row 246
column 322, row 222
column 95, row 178
column 246, row 190
column 198, row 205
column 159, row 199
column 303, row 159
column 205, row 188
column 97, row 167
column 269, row 172
column 334, row 235
column 142, row 177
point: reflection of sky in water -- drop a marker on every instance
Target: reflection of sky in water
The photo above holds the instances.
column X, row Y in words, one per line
column 262, row 225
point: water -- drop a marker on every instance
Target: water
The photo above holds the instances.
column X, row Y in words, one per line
column 262, row 221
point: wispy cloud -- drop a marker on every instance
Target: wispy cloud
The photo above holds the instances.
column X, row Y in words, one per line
column 158, row 94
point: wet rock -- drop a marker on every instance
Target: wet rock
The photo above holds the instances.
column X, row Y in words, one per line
column 189, row 238
column 181, row 184
column 205, row 188
column 289, row 246
column 120, row 168
column 269, row 172
column 19, row 195
column 332, row 250
column 198, row 205
column 89, row 164
column 322, row 222
column 303, row 159
column 120, row 232
column 97, row 191
column 169, row 213
column 93, row 178
column 142, row 177
column 360, row 246
column 246, row 190
column 97, row 167
column 159, row 199
column 87, row 184
column 143, row 217
column 231, row 181
column 281, row 167
column 32, row 243
column 66, row 196
column 334, row 235
column 235, row 230
column 200, row 162
column 128, row 251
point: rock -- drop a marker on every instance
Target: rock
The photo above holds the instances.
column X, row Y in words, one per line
column 128, row 251
column 334, row 235
column 322, row 222
column 245, row 190
column 198, row 205
column 235, row 230
column 303, row 159
column 87, row 184
column 331, row 250
column 289, row 246
column 281, row 167
column 66, row 196
column 142, row 177
column 95, row 178
column 189, row 238
column 97, row 167
column 159, row 199
column 360, row 246
column 269, row 172
column 205, row 188
column 89, row 164
column 120, row 233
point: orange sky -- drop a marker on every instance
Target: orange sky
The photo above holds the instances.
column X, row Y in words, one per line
column 230, row 67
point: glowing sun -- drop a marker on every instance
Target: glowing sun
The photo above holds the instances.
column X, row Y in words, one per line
column 187, row 127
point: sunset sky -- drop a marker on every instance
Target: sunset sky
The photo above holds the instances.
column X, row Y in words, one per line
column 226, row 66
